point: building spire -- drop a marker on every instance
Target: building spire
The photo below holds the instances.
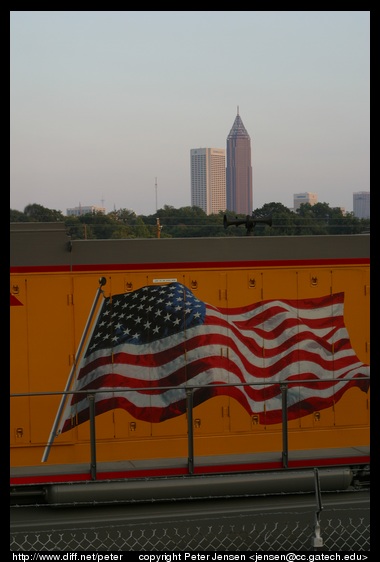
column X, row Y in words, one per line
column 238, row 110
column 238, row 129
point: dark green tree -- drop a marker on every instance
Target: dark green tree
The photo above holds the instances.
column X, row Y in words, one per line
column 98, row 225
column 38, row 213
column 283, row 220
column 77, row 229
column 184, row 222
column 141, row 230
column 18, row 216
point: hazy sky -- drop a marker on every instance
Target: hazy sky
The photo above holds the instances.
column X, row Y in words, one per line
column 103, row 103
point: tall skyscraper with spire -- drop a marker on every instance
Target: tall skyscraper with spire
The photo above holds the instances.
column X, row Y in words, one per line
column 239, row 189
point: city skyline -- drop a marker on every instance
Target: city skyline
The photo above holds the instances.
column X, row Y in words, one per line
column 361, row 199
column 106, row 106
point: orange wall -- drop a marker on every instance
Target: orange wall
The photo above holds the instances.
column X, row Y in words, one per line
column 47, row 329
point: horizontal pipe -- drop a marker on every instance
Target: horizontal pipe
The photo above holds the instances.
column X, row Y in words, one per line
column 195, row 487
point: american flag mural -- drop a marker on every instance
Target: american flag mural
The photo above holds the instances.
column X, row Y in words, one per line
column 157, row 341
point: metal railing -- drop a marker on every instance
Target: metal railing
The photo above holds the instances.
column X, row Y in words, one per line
column 91, row 395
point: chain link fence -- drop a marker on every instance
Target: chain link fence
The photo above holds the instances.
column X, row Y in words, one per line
column 234, row 534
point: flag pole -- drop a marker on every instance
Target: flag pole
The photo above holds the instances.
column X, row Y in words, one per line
column 102, row 281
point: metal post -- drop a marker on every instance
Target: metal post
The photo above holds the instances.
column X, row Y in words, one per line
column 316, row 540
column 284, row 391
column 91, row 399
column 190, row 441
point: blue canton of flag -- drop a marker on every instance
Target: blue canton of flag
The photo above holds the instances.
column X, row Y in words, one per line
column 146, row 315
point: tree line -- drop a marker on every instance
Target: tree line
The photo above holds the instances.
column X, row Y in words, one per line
column 273, row 219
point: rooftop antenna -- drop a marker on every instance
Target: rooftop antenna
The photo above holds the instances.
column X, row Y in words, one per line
column 238, row 110
column 156, row 193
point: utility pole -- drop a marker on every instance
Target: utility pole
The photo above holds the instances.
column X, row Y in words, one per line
column 158, row 228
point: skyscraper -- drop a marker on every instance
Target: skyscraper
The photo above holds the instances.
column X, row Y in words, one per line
column 239, row 188
column 208, row 179
column 361, row 200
